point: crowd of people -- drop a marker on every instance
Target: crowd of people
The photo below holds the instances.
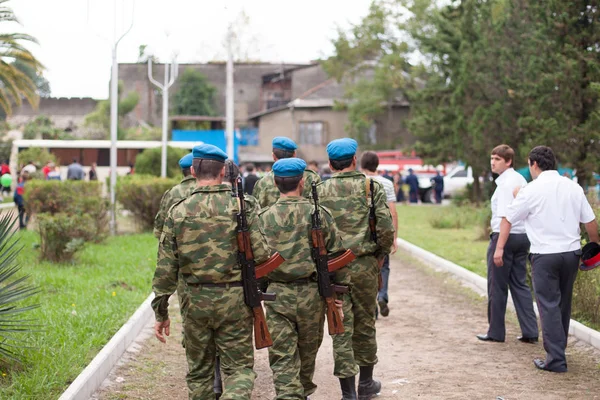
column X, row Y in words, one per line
column 198, row 259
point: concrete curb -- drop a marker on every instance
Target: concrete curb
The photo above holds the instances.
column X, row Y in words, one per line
column 94, row 374
column 577, row 329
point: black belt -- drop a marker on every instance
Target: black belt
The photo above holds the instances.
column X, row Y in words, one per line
column 219, row 285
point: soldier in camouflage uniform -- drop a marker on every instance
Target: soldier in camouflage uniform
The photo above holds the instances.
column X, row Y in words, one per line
column 175, row 194
column 198, row 244
column 346, row 195
column 265, row 190
column 296, row 317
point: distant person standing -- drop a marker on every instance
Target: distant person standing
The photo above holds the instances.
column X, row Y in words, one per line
column 75, row 171
column 18, row 199
column 314, row 166
column 438, row 187
column 413, row 183
column 93, row 174
column 54, row 174
column 30, row 168
column 386, row 174
column 369, row 162
column 5, row 169
column 47, row 168
column 552, row 208
column 398, row 183
column 250, row 179
column 512, row 247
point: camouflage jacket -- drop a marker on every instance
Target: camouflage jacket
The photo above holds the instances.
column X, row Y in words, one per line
column 267, row 193
column 199, row 242
column 287, row 226
column 345, row 195
column 170, row 197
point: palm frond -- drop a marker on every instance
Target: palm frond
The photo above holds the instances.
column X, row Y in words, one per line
column 13, row 290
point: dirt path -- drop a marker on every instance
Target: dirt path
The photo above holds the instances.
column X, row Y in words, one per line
column 427, row 349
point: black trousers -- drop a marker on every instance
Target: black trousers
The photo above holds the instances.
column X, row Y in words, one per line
column 511, row 275
column 553, row 279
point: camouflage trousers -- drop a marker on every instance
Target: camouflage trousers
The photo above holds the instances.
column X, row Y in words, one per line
column 295, row 320
column 216, row 319
column 357, row 346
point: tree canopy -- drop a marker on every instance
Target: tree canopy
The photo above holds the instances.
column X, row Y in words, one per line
column 195, row 95
column 15, row 84
column 478, row 74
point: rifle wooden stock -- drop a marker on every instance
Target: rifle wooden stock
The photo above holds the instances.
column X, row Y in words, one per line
column 262, row 337
column 340, row 261
column 334, row 318
column 270, row 265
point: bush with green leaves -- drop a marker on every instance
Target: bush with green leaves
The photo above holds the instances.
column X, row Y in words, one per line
column 148, row 162
column 53, row 201
column 38, row 155
column 62, row 235
column 13, row 290
column 42, row 127
column 141, row 194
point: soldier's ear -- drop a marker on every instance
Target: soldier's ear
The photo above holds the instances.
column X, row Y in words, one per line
column 193, row 171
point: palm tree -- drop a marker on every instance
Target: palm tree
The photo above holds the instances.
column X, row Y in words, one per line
column 14, row 84
column 13, row 290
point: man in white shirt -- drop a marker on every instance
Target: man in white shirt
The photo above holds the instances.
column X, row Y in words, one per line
column 369, row 162
column 507, row 256
column 552, row 208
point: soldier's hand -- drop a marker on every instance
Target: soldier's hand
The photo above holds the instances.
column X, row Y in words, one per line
column 159, row 327
column 394, row 247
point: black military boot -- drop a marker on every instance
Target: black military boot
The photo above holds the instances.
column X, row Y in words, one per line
column 368, row 388
column 348, row 386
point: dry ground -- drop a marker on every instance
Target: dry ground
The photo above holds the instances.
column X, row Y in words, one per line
column 427, row 349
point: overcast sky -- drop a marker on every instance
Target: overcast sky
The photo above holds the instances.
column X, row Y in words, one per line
column 76, row 35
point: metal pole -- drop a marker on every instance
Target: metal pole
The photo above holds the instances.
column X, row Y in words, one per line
column 114, row 102
column 165, row 124
column 229, row 111
column 114, row 99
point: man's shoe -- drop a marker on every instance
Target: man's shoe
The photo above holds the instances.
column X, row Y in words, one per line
column 486, row 338
column 348, row 386
column 525, row 339
column 541, row 364
column 383, row 308
column 368, row 387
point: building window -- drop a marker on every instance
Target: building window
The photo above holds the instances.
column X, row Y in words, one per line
column 311, row 133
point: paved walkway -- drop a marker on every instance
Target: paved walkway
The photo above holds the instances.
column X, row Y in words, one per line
column 427, row 350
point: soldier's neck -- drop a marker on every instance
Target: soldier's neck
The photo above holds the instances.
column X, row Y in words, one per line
column 208, row 182
column 295, row 193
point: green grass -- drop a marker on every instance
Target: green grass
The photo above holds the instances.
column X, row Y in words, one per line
column 459, row 245
column 82, row 306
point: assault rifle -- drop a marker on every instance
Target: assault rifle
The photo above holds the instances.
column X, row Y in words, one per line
column 319, row 255
column 252, row 294
column 373, row 224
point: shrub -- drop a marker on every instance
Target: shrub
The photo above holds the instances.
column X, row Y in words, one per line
column 12, row 291
column 69, row 200
column 64, row 234
column 148, row 162
column 38, row 155
column 141, row 195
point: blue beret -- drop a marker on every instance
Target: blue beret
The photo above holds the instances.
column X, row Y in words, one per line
column 209, row 152
column 341, row 149
column 283, row 143
column 186, row 161
column 289, row 167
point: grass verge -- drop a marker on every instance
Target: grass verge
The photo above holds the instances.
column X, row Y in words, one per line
column 462, row 246
column 82, row 306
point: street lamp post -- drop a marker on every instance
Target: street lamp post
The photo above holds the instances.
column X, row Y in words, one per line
column 168, row 82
